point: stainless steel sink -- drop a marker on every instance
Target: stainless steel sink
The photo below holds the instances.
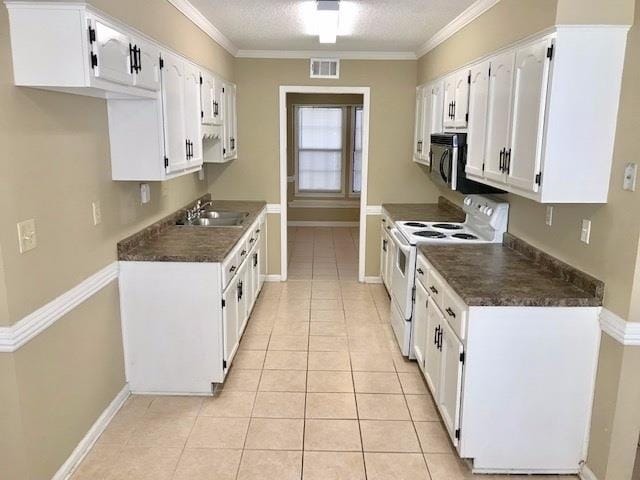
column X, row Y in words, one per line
column 216, row 218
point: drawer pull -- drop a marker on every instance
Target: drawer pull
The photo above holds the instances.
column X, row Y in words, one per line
column 243, row 253
column 435, row 335
column 433, row 289
column 252, row 240
column 450, row 312
column 233, row 268
column 420, row 271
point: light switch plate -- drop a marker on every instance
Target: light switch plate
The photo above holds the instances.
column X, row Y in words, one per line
column 27, row 239
column 630, row 174
column 549, row 217
column 97, row 213
column 585, row 232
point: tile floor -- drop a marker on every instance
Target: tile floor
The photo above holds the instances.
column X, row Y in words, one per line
column 318, row 391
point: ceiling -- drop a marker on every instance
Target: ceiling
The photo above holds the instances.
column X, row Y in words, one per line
column 367, row 25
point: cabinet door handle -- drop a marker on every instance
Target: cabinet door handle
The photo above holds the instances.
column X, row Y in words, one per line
column 507, row 166
column 435, row 334
column 255, row 260
column 450, row 312
column 440, row 340
column 384, row 245
column 420, row 271
column 138, row 58
column 186, row 144
column 433, row 289
column 132, row 59
column 453, row 114
column 502, row 152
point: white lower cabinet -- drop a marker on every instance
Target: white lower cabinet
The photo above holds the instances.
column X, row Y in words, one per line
column 182, row 322
column 513, row 385
column 386, row 256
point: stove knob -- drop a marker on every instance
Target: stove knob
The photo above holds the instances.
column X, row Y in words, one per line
column 489, row 211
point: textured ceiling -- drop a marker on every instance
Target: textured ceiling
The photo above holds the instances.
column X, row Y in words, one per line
column 369, row 25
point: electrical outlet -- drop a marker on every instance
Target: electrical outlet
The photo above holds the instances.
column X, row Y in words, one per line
column 145, row 193
column 630, row 173
column 585, row 231
column 97, row 213
column 549, row 217
column 27, row 239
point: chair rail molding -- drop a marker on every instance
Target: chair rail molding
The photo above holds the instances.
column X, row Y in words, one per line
column 626, row 333
column 21, row 332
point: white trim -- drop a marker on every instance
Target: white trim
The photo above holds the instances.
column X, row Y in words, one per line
column 626, row 333
column 375, row 280
column 291, row 179
column 15, row 336
column 329, row 203
column 457, row 24
column 273, row 278
column 81, row 450
column 366, row 104
column 585, row 473
column 193, row 14
column 274, row 208
column 326, row 54
column 374, row 209
column 311, row 223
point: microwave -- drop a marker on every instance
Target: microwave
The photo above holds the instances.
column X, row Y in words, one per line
column 448, row 155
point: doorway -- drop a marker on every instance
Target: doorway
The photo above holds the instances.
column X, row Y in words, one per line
column 324, row 139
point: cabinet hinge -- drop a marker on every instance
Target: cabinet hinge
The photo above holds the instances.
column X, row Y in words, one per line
column 94, row 60
column 462, row 357
column 413, row 294
column 166, row 162
column 483, row 167
column 466, row 117
column 161, row 63
column 539, row 178
column 224, row 303
column 92, row 34
column 200, row 79
column 489, row 70
column 458, row 434
column 224, row 150
column 222, row 89
column 201, row 113
column 550, row 51
column 224, row 364
column 469, row 79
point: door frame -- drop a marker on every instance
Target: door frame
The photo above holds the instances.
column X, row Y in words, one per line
column 366, row 101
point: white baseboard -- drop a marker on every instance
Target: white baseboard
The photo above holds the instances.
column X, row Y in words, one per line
column 273, row 278
column 322, row 224
column 78, row 454
column 587, row 474
column 627, row 333
column 372, row 279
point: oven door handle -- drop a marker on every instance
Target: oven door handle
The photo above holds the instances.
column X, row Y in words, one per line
column 400, row 243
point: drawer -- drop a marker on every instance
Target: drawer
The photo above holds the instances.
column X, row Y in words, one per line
column 254, row 238
column 230, row 266
column 423, row 272
column 386, row 224
column 243, row 250
column 435, row 287
column 455, row 311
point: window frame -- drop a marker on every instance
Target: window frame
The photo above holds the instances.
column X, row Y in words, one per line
column 354, row 108
column 296, row 129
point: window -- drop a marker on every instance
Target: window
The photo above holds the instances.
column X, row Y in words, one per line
column 356, row 154
column 319, row 149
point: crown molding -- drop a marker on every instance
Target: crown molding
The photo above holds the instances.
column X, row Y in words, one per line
column 16, row 335
column 344, row 55
column 193, row 14
column 626, row 333
column 458, row 23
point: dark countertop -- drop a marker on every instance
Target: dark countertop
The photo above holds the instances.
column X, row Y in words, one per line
column 166, row 242
column 512, row 274
column 443, row 211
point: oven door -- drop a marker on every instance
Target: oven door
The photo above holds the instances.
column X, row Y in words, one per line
column 402, row 273
column 443, row 161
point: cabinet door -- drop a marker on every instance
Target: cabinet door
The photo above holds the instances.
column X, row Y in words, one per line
column 113, row 51
column 263, row 253
column 419, row 335
column 206, row 98
column 233, row 125
column 173, row 79
column 449, row 95
column 529, row 102
column 148, row 74
column 230, row 321
column 451, row 381
column 461, row 99
column 436, row 110
column 255, row 274
column 242, row 297
column 384, row 253
column 217, row 105
column 418, row 144
column 193, row 133
column 498, row 114
column 427, row 126
column 432, row 360
column 477, row 129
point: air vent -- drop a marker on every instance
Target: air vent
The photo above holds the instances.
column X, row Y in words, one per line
column 325, row 68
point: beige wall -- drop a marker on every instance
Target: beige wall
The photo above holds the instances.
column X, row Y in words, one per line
column 54, row 163
column 613, row 250
column 392, row 178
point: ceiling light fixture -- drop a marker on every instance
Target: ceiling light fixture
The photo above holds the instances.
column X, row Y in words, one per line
column 327, row 17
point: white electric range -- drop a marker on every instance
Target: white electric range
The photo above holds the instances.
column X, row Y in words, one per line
column 486, row 222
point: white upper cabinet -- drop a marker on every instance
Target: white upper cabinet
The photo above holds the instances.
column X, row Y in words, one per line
column 419, row 144
column 429, row 100
column 211, row 94
column 147, row 65
column 498, row 116
column 112, row 58
column 541, row 115
column 173, row 105
column 456, row 99
column 436, row 104
column 477, row 128
column 230, row 143
column 192, row 113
